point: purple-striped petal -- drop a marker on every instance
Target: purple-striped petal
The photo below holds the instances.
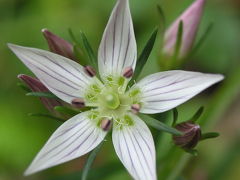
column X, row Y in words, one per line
column 165, row 90
column 74, row 138
column 191, row 20
column 63, row 77
column 118, row 49
column 135, row 148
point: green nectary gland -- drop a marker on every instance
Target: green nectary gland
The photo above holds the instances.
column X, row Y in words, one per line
column 111, row 101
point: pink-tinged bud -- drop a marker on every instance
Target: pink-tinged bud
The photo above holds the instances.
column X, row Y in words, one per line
column 90, row 71
column 135, row 108
column 128, row 72
column 58, row 45
column 36, row 86
column 78, row 103
column 191, row 19
column 191, row 135
column 106, row 124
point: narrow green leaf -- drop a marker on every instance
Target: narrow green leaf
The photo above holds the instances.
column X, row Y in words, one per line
column 178, row 42
column 162, row 17
column 175, row 116
column 90, row 161
column 202, row 39
column 66, row 110
column 159, row 125
column 197, row 115
column 47, row 116
column 72, row 36
column 144, row 55
column 23, row 87
column 209, row 135
column 89, row 50
column 42, row 94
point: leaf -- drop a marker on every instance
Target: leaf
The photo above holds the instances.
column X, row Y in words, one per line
column 197, row 115
column 175, row 116
column 89, row 50
column 66, row 110
column 144, row 55
column 162, row 17
column 42, row 94
column 202, row 39
column 209, row 135
column 72, row 36
column 47, row 116
column 178, row 42
column 90, row 161
column 23, row 87
column 159, row 125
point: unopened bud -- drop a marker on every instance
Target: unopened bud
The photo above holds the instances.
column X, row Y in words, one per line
column 135, row 108
column 58, row 45
column 37, row 86
column 90, row 71
column 106, row 124
column 191, row 135
column 78, row 103
column 191, row 20
column 128, row 72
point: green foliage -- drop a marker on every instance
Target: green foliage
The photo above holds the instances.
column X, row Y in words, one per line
column 141, row 61
column 47, row 116
column 42, row 94
column 90, row 161
column 159, row 125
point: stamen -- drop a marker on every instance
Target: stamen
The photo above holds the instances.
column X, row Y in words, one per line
column 90, row 71
column 128, row 72
column 135, row 108
column 106, row 124
column 78, row 103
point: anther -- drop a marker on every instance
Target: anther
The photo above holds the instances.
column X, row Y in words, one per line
column 78, row 103
column 135, row 108
column 106, row 124
column 128, row 72
column 90, row 71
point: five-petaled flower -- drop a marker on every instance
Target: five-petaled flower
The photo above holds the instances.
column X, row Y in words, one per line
column 112, row 105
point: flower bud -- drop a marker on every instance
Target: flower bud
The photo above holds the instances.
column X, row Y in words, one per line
column 36, row 86
column 191, row 20
column 58, row 45
column 191, row 135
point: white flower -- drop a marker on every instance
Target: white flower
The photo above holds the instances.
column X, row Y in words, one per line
column 110, row 101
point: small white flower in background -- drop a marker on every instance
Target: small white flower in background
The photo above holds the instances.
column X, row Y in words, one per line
column 112, row 105
column 190, row 18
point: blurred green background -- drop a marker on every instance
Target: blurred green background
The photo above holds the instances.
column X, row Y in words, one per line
column 22, row 136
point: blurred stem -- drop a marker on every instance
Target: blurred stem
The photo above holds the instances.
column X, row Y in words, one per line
column 216, row 107
column 226, row 162
column 90, row 161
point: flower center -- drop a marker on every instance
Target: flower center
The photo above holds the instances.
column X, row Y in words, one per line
column 111, row 100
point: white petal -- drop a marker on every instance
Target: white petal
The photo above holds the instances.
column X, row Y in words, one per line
column 74, row 138
column 63, row 77
column 166, row 90
column 118, row 48
column 135, row 148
